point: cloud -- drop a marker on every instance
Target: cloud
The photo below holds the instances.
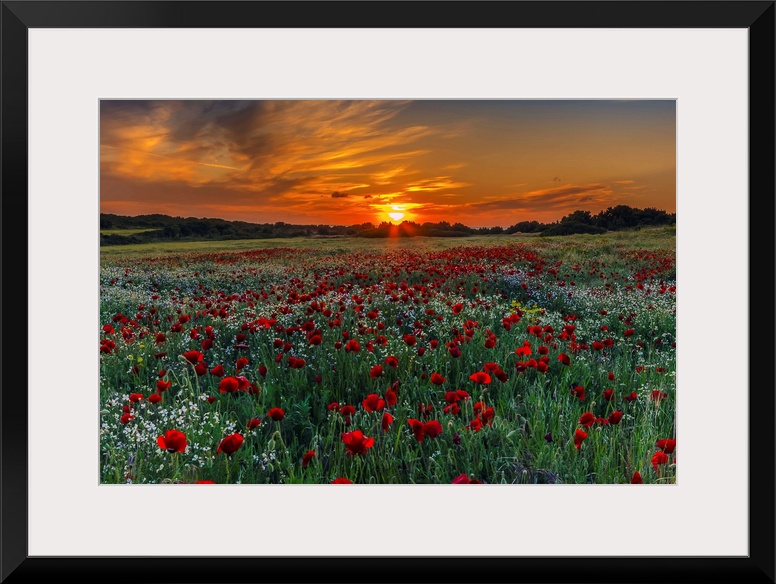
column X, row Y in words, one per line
column 252, row 143
column 338, row 195
column 435, row 184
column 624, row 182
column 553, row 201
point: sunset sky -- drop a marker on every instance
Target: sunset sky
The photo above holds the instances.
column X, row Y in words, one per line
column 481, row 163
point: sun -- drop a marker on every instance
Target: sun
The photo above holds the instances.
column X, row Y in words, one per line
column 396, row 216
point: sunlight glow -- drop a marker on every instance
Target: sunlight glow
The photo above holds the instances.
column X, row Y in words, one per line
column 396, row 216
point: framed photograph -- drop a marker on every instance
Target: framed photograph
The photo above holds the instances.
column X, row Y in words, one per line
column 492, row 268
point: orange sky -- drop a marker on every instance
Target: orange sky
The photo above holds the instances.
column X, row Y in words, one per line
column 481, row 163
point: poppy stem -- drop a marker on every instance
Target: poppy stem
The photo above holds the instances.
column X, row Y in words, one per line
column 174, row 466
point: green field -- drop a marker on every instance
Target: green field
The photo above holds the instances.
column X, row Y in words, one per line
column 647, row 238
column 494, row 359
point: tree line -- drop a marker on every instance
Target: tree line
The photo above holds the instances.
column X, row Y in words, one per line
column 167, row 228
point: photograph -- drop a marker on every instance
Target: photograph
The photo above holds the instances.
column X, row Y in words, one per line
column 255, row 249
column 403, row 292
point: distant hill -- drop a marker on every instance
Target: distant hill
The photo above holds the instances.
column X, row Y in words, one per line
column 121, row 229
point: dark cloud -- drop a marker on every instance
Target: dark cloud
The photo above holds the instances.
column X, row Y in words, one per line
column 338, row 195
column 561, row 196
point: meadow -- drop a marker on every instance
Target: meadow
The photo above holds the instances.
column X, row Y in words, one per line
column 491, row 359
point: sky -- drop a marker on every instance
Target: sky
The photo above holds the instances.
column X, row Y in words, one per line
column 480, row 163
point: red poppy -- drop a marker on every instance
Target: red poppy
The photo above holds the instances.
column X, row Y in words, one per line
column 667, row 445
column 205, row 482
column 391, row 398
column 392, row 361
column 125, row 418
column 432, row 429
column 135, row 397
column 373, row 403
column 578, row 391
column 480, row 377
column 608, row 394
column 347, row 410
column 464, row 479
column 352, row 346
column 457, row 308
column 636, row 479
column 154, row 398
column 230, row 444
column 658, row 396
column 333, row 407
column 228, row 385
column 172, row 441
column 253, row 423
column 341, row 481
column 308, row 456
column 579, row 437
column 241, row 362
column 475, row 425
column 386, row 421
column 437, row 379
column 211, row 399
column 356, row 442
column 597, row 346
column 454, row 351
column 295, row 363
column 218, row 370
column 487, row 416
column 410, row 340
column 377, row 371
column 200, row 369
column 162, row 385
column 417, row 429
column 628, row 332
column 587, row 419
column 615, row 417
column 263, row 370
column 563, row 358
column 611, row 376
column 660, row 457
column 193, row 357
column 276, row 414
column 632, row 397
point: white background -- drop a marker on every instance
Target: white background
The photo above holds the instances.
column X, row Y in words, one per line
column 706, row 513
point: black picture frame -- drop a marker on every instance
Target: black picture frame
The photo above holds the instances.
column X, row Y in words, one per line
column 19, row 16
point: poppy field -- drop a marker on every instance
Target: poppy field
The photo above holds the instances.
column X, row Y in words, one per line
column 485, row 360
